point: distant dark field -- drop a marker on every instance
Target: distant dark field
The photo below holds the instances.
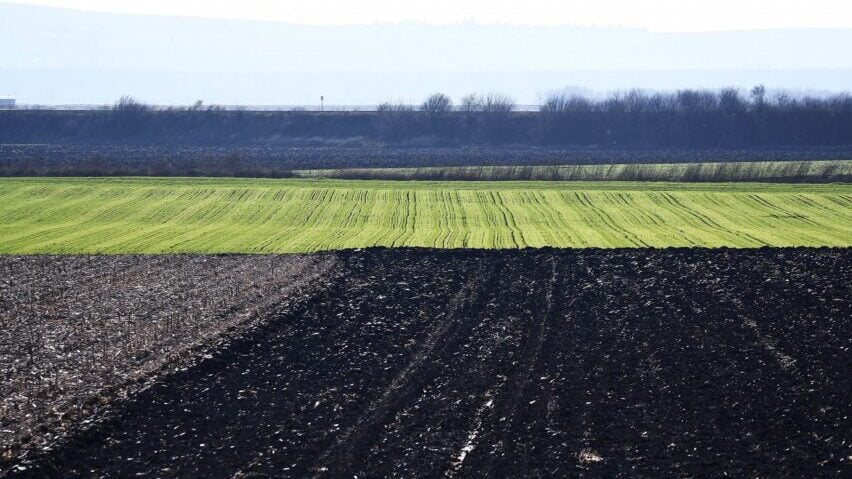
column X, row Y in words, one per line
column 280, row 161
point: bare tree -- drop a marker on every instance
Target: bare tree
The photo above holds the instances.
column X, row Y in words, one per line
column 498, row 104
column 560, row 104
column 471, row 103
column 128, row 104
column 556, row 104
column 730, row 100
column 437, row 104
column 758, row 96
column 635, row 101
column 784, row 100
column 696, row 100
column 388, row 107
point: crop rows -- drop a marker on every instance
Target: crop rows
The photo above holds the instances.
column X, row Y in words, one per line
column 278, row 216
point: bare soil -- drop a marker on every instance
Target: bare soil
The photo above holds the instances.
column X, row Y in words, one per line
column 546, row 363
column 279, row 161
column 79, row 331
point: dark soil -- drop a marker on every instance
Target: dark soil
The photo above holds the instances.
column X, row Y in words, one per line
column 279, row 161
column 78, row 331
column 417, row 363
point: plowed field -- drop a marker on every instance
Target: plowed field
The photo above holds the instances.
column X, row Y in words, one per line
column 417, row 363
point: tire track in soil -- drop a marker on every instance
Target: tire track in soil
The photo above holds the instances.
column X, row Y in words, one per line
column 379, row 395
column 442, row 428
column 434, row 434
column 556, row 405
column 358, row 457
column 512, row 416
column 341, row 454
column 346, row 453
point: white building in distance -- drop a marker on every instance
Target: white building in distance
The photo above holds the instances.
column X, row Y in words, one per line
column 7, row 103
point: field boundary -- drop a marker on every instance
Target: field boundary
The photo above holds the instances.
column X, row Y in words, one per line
column 829, row 171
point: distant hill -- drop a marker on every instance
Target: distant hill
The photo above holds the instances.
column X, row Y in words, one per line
column 50, row 55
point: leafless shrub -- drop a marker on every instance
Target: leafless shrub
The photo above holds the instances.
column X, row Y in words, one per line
column 437, row 104
column 471, row 103
column 498, row 104
column 128, row 104
column 399, row 107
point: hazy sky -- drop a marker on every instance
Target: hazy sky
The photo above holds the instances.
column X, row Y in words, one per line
column 57, row 56
column 657, row 15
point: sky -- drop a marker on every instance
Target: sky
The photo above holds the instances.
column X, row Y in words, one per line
column 364, row 52
column 654, row 15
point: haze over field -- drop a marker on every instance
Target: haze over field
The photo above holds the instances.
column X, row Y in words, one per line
column 59, row 56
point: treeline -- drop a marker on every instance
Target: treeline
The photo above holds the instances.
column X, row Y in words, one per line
column 700, row 119
column 686, row 119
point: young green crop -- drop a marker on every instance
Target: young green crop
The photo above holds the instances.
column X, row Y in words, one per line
column 138, row 215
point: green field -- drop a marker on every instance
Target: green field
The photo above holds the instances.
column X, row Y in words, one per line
column 137, row 215
column 759, row 171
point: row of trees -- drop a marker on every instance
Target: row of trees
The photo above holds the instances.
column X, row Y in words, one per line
column 441, row 104
column 728, row 118
column 686, row 118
